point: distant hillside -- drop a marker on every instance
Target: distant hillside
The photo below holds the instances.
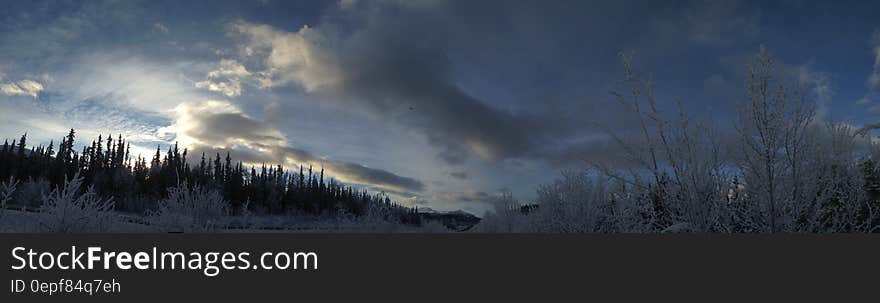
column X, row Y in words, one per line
column 458, row 220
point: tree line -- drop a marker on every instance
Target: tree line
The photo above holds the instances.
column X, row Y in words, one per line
column 780, row 167
column 137, row 183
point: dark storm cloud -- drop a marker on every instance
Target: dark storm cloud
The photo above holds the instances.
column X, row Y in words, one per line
column 220, row 127
column 412, row 85
column 468, row 197
column 396, row 62
column 410, row 62
column 365, row 175
column 353, row 172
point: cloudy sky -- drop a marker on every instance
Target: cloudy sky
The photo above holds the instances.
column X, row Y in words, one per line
column 442, row 104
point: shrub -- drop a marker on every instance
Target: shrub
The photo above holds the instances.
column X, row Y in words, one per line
column 186, row 209
column 30, row 193
column 66, row 210
column 779, row 170
column 506, row 216
column 7, row 189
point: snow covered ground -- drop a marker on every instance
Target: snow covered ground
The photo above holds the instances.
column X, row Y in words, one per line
column 29, row 220
column 17, row 221
column 186, row 209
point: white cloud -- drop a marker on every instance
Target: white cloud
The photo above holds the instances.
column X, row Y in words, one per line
column 127, row 81
column 160, row 27
column 873, row 81
column 226, row 79
column 290, row 57
column 21, row 88
column 219, row 124
column 230, row 88
column 229, row 68
column 820, row 86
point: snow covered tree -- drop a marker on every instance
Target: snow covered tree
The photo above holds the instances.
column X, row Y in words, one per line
column 66, row 210
column 774, row 130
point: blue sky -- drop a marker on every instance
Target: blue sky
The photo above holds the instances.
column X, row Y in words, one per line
column 442, row 104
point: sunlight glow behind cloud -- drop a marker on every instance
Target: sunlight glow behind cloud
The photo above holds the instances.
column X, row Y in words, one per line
column 21, row 88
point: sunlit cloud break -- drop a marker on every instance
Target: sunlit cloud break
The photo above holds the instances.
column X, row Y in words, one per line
column 21, row 88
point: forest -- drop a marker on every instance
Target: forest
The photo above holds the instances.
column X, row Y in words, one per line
column 167, row 185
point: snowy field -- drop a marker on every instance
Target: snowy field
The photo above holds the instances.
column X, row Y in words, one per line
column 186, row 210
column 17, row 221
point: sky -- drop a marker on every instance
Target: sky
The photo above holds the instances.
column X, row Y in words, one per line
column 440, row 104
